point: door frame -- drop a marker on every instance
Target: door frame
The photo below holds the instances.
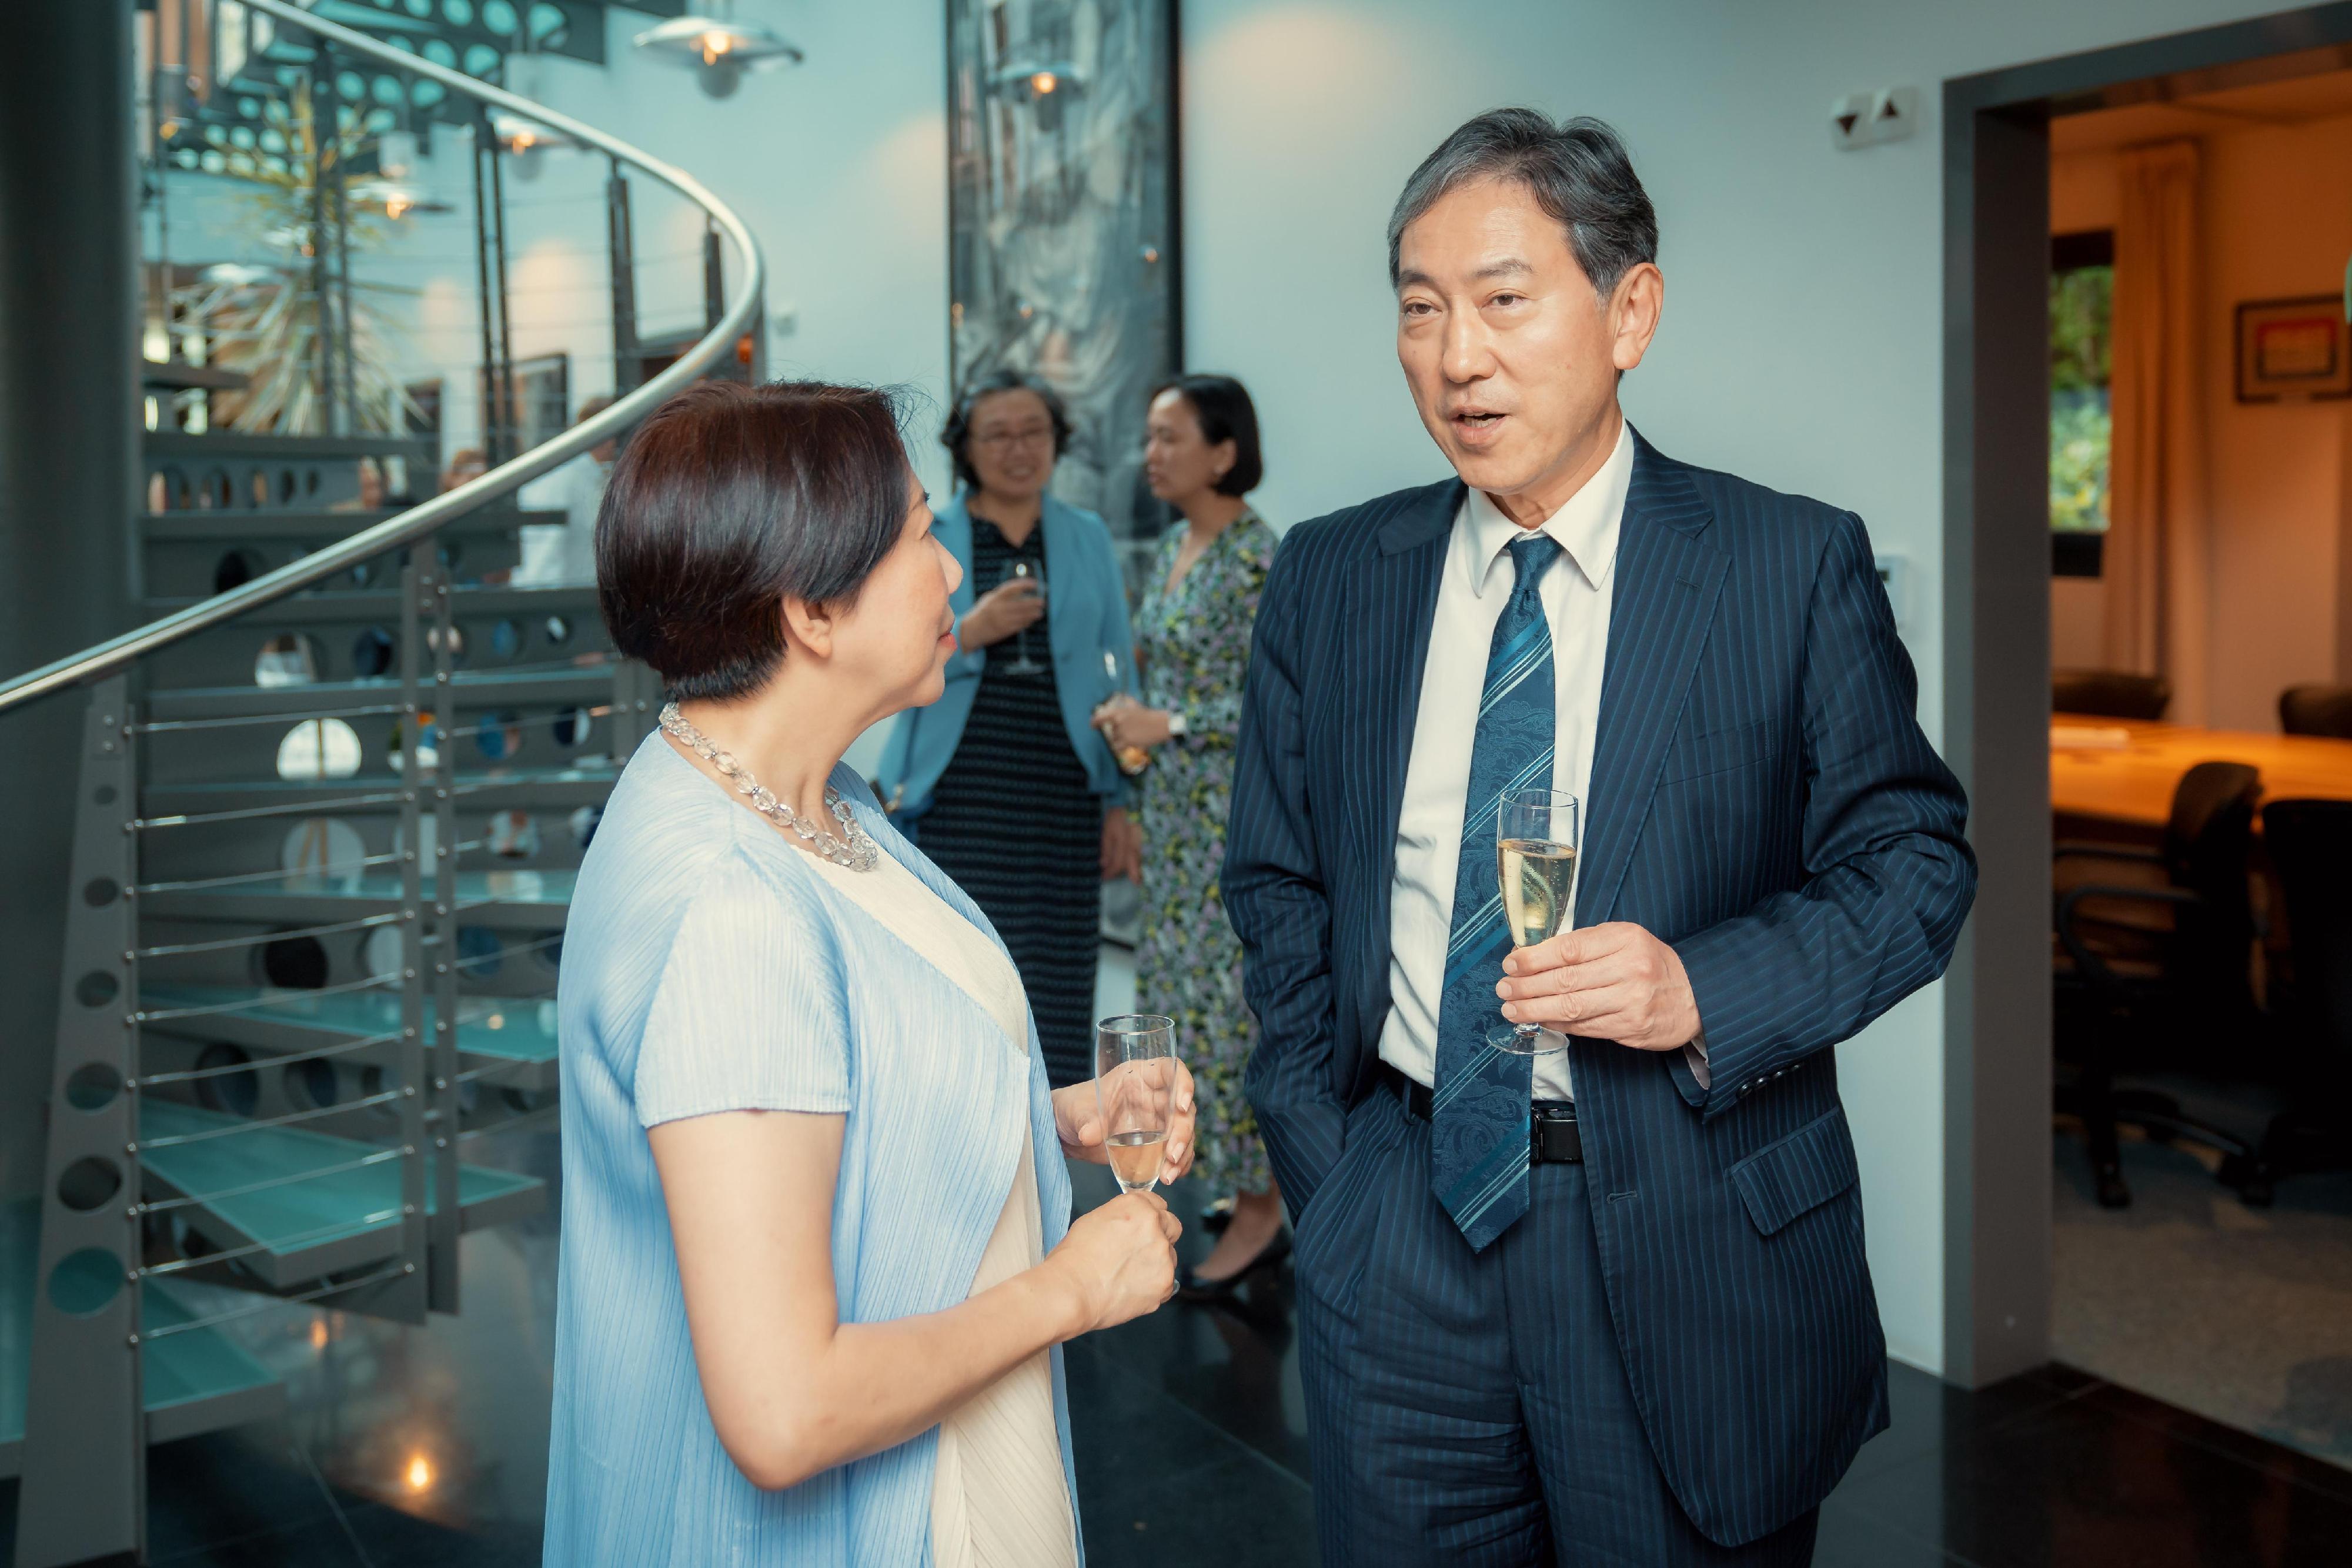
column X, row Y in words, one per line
column 1997, row 1029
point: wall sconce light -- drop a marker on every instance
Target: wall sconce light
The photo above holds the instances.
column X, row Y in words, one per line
column 398, row 198
column 1031, row 81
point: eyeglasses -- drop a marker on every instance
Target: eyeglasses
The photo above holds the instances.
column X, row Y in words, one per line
column 1005, row 439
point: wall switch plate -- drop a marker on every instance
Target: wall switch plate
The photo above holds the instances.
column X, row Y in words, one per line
column 1849, row 121
column 1868, row 119
column 1894, row 113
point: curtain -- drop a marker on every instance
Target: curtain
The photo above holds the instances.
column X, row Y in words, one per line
column 2158, row 554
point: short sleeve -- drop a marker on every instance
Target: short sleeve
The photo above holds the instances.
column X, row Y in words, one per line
column 748, row 1013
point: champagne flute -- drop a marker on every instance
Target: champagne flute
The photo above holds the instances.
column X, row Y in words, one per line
column 1132, row 758
column 1135, row 1087
column 1028, row 572
column 1535, row 862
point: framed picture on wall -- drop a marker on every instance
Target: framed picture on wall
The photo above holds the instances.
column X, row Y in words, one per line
column 2290, row 349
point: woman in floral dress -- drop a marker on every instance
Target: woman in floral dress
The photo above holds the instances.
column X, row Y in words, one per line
column 1192, row 643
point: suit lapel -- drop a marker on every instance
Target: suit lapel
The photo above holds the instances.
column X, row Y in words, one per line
column 1391, row 602
column 1669, row 581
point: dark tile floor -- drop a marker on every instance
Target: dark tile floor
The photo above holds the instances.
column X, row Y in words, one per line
column 408, row 1447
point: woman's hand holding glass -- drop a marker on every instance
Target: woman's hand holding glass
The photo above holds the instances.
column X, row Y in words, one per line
column 1118, row 1262
column 1012, row 607
column 1125, row 722
column 1078, row 1122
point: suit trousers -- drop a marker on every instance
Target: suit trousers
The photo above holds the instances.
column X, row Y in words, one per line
column 1472, row 1408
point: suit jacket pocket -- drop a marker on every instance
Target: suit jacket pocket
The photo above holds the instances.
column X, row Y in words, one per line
column 1799, row 1173
column 1717, row 751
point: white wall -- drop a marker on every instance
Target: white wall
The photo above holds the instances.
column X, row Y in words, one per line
column 1801, row 344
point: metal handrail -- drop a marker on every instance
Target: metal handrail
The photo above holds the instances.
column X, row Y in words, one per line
column 422, row 521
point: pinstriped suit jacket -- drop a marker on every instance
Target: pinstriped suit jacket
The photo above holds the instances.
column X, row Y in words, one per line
column 1763, row 800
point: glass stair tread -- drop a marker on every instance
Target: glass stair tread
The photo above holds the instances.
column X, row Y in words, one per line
column 469, row 688
column 308, row 1227
column 528, row 899
column 511, row 1028
column 197, row 1381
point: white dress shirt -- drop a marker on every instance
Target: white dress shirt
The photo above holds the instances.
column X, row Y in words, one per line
column 1477, row 583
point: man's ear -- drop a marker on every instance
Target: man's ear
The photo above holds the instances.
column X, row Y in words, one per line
column 809, row 625
column 1636, row 305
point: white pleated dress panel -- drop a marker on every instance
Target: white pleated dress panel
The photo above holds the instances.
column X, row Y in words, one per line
column 997, row 1496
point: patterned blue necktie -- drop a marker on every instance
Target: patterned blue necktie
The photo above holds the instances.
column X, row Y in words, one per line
column 1478, row 1147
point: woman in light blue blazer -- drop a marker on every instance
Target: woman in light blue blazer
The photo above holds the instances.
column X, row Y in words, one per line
column 817, row 1256
column 1004, row 780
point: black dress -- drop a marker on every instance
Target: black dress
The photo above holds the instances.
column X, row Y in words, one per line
column 1014, row 823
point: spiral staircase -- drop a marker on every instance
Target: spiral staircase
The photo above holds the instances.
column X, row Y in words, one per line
column 328, row 820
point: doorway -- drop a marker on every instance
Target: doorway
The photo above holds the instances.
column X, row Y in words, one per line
column 2019, row 283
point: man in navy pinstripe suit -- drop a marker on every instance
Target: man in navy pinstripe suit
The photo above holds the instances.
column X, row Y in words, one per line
column 1609, row 1305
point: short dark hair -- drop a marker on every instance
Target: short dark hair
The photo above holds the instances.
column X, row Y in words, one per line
column 1223, row 406
column 1578, row 172
column 731, row 498
column 956, row 434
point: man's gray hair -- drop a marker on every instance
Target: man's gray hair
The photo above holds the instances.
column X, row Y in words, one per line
column 1577, row 170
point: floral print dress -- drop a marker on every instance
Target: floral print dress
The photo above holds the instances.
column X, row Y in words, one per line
column 1194, row 641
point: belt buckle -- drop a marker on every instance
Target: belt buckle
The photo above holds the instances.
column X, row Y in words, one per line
column 1554, row 1137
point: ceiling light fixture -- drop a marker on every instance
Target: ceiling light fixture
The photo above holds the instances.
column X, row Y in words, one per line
column 717, row 47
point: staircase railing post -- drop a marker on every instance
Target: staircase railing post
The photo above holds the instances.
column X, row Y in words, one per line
column 441, row 1048
column 416, row 1128
column 84, row 1447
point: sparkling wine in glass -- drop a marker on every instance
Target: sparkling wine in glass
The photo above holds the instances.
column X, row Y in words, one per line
column 1132, row 758
column 1535, row 862
column 1030, row 571
column 1135, row 1087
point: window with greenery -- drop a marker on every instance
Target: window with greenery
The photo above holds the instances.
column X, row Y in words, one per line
column 2082, row 301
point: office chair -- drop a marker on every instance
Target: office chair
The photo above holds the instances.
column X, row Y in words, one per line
column 2317, row 710
column 2311, row 844
column 2143, row 968
column 2110, row 694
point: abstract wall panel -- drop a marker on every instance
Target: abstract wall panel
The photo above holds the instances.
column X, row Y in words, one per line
column 1063, row 223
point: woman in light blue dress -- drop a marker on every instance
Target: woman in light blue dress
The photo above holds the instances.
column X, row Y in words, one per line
column 817, row 1259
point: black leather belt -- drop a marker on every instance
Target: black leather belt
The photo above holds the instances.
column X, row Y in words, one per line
column 1552, row 1136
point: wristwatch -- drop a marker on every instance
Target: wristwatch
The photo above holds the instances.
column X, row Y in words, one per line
column 1177, row 728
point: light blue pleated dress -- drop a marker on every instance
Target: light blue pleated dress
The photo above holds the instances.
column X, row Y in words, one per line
column 709, row 966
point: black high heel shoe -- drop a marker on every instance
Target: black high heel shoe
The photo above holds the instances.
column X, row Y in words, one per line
column 1190, row 1287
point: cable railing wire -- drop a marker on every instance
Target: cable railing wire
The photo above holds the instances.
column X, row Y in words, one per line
column 280, row 998
column 227, row 943
column 232, row 721
column 318, row 873
column 176, row 1140
column 248, row 814
column 277, row 1058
